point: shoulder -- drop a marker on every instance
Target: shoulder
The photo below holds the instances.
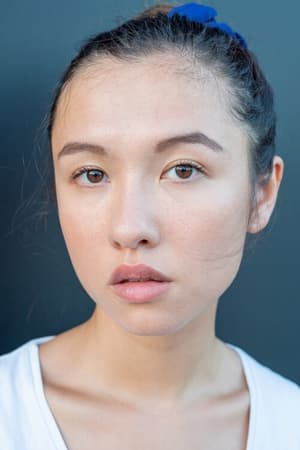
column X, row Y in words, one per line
column 267, row 380
column 17, row 380
column 15, row 373
column 16, row 366
column 16, row 361
column 13, row 369
column 275, row 400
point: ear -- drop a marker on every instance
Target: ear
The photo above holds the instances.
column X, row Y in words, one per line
column 265, row 198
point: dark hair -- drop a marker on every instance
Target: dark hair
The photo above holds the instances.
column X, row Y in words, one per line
column 154, row 32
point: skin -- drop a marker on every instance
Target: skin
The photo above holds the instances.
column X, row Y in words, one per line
column 155, row 367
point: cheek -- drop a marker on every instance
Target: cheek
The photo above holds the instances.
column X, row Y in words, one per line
column 83, row 224
column 83, row 227
column 208, row 237
column 215, row 215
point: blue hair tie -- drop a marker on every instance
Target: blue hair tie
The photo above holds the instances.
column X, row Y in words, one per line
column 205, row 15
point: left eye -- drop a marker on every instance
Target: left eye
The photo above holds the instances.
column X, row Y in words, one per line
column 185, row 171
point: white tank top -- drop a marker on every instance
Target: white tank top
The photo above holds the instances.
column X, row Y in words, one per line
column 27, row 423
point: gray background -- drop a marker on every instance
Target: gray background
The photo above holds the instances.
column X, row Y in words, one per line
column 40, row 294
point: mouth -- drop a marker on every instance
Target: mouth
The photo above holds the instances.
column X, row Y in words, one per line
column 138, row 280
column 138, row 283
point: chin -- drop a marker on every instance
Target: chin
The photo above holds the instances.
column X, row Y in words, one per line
column 143, row 323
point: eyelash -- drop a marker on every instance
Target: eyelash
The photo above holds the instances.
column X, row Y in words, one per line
column 184, row 163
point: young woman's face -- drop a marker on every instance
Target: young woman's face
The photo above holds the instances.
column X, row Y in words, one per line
column 178, row 205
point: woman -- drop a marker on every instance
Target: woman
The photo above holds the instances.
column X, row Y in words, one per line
column 162, row 135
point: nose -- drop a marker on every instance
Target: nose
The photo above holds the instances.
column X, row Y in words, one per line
column 134, row 218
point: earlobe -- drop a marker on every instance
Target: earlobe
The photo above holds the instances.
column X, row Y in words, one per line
column 265, row 198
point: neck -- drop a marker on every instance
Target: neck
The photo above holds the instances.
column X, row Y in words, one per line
column 167, row 368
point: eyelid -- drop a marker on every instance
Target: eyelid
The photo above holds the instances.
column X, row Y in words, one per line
column 84, row 169
column 187, row 162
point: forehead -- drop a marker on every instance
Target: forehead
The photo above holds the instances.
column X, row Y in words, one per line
column 145, row 99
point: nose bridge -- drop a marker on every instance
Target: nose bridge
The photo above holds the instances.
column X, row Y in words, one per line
column 132, row 215
column 130, row 196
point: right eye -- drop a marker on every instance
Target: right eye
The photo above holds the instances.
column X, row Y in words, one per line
column 89, row 176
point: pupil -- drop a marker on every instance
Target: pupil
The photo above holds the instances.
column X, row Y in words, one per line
column 185, row 171
column 94, row 176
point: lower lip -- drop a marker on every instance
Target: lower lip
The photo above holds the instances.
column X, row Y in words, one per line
column 140, row 291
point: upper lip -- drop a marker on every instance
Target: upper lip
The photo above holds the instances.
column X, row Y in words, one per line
column 137, row 272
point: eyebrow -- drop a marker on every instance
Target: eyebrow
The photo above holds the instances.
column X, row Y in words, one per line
column 190, row 138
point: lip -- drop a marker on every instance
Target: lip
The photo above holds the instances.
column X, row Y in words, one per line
column 153, row 283
column 140, row 291
column 125, row 272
